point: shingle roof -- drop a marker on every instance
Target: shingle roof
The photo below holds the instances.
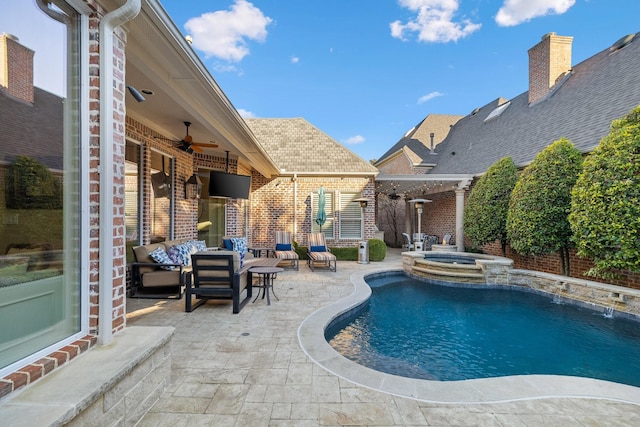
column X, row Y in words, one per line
column 598, row 90
column 297, row 146
column 34, row 130
column 418, row 139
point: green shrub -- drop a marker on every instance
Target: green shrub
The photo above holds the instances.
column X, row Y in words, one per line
column 537, row 221
column 485, row 214
column 377, row 250
column 605, row 204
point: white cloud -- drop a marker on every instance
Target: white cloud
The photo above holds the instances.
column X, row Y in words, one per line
column 224, row 33
column 358, row 139
column 245, row 113
column 514, row 12
column 295, row 59
column 434, row 21
column 429, row 97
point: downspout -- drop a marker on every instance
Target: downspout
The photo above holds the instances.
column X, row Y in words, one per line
column 295, row 206
column 108, row 23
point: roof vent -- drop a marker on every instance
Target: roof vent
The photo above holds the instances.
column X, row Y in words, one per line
column 622, row 42
column 475, row 110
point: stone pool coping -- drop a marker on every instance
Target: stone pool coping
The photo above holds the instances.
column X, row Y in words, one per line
column 485, row 390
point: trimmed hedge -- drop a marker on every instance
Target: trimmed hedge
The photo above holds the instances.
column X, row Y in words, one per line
column 377, row 251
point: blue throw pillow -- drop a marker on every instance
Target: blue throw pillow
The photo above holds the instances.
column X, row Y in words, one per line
column 283, row 247
column 228, row 245
column 160, row 256
column 318, row 249
column 182, row 253
column 239, row 244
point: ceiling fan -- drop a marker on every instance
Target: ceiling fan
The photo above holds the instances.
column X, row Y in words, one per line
column 187, row 144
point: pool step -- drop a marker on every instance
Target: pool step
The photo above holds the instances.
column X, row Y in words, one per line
column 457, row 272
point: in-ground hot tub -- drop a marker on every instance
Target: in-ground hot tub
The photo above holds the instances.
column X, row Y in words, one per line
column 459, row 267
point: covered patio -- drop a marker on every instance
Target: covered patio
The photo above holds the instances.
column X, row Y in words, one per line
column 420, row 186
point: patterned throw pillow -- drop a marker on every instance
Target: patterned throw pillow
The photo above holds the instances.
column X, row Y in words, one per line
column 239, row 244
column 182, row 253
column 198, row 245
column 160, row 256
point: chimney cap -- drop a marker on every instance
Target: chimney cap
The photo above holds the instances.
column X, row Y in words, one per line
column 10, row 36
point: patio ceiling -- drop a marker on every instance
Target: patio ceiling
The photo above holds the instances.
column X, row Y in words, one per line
column 159, row 59
column 412, row 186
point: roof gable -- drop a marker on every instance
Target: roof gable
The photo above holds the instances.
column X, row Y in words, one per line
column 418, row 139
column 297, row 146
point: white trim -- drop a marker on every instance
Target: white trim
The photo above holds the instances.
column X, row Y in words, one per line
column 108, row 23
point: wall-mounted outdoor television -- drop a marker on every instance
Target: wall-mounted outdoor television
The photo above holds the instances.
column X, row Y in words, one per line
column 223, row 184
column 161, row 184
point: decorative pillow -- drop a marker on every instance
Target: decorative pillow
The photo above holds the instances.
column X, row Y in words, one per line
column 174, row 254
column 318, row 249
column 198, row 245
column 239, row 244
column 241, row 259
column 160, row 256
column 182, row 253
column 283, row 247
column 227, row 244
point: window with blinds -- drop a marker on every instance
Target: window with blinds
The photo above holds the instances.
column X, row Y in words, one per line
column 350, row 216
column 327, row 228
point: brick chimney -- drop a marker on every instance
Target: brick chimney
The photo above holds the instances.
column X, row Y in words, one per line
column 16, row 68
column 549, row 60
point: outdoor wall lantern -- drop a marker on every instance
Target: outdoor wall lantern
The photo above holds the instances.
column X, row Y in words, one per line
column 363, row 202
column 192, row 187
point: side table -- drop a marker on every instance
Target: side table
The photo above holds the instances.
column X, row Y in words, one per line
column 267, row 275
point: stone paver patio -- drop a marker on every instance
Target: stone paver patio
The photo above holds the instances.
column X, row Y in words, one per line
column 248, row 369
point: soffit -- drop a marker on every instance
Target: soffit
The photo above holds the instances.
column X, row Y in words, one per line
column 159, row 59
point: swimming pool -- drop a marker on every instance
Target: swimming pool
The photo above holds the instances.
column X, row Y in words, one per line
column 311, row 337
column 416, row 329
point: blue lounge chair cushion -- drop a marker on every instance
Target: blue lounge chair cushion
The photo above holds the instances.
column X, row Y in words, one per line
column 283, row 247
column 318, row 249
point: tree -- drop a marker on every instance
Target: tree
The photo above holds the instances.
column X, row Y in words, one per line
column 537, row 221
column 485, row 214
column 605, row 208
column 390, row 218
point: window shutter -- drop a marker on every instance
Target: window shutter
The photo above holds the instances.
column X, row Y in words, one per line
column 350, row 217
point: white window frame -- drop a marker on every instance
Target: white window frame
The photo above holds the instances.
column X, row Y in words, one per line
column 328, row 227
column 351, row 217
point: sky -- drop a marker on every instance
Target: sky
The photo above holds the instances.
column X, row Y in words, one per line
column 366, row 72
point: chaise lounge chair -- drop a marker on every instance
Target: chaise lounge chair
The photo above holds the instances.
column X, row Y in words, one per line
column 284, row 249
column 318, row 252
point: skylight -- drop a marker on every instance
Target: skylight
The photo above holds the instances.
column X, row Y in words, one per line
column 497, row 111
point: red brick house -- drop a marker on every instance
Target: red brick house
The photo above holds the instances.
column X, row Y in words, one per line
column 111, row 155
column 577, row 102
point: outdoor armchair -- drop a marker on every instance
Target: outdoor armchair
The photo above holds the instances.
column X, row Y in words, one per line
column 217, row 275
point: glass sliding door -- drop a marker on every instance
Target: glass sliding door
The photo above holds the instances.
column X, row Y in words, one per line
column 40, row 181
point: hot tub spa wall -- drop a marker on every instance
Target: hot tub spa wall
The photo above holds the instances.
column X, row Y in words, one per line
column 500, row 271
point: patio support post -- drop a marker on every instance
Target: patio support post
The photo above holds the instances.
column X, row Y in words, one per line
column 459, row 219
column 108, row 23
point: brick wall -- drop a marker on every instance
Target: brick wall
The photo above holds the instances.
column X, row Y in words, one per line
column 280, row 203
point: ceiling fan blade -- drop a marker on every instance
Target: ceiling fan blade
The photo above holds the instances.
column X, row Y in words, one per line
column 195, row 147
column 205, row 144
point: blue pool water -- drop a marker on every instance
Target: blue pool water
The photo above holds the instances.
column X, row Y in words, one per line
column 421, row 330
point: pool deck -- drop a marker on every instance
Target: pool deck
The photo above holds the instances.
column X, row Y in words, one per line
column 249, row 369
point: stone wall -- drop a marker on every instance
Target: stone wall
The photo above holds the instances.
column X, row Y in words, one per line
column 602, row 297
